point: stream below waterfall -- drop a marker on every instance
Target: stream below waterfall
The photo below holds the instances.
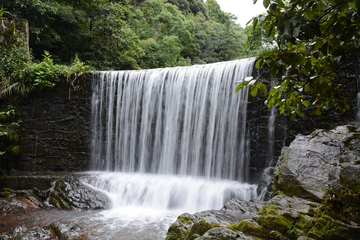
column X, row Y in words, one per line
column 143, row 205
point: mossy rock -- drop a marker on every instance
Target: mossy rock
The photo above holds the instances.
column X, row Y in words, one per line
column 58, row 201
column 247, row 226
column 351, row 128
column 266, row 210
column 198, row 229
column 330, row 228
column 304, row 224
column 316, row 233
column 6, row 194
column 351, row 184
column 174, row 233
column 288, row 189
column 7, row 190
column 280, row 222
column 183, row 219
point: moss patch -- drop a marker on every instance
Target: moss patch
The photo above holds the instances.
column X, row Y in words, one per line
column 353, row 185
column 183, row 219
column 246, row 226
column 5, row 194
column 198, row 229
column 266, row 210
column 174, row 233
column 351, row 128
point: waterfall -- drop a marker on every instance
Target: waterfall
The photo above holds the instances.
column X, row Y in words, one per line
column 168, row 141
column 178, row 121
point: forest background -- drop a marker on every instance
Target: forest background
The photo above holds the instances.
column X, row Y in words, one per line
column 135, row 34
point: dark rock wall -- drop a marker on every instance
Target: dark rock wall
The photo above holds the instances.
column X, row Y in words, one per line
column 258, row 130
column 57, row 131
column 285, row 129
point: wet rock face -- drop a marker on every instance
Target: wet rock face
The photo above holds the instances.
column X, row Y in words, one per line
column 69, row 193
column 314, row 162
column 57, row 132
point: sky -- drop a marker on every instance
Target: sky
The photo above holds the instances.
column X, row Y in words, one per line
column 243, row 9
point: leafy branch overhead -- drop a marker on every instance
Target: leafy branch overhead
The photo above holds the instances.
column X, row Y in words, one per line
column 314, row 40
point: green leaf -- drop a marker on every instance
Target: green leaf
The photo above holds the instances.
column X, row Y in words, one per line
column 266, row 3
column 254, row 90
column 262, row 88
column 259, row 63
column 305, row 103
column 295, row 21
column 255, row 23
column 296, row 58
column 281, row 4
column 241, row 85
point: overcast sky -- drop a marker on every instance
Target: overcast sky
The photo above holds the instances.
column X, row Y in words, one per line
column 243, row 9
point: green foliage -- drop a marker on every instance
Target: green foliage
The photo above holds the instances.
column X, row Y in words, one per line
column 131, row 34
column 14, row 66
column 9, row 131
column 314, row 39
column 96, row 30
column 18, row 77
column 256, row 42
column 45, row 74
column 343, row 204
column 163, row 31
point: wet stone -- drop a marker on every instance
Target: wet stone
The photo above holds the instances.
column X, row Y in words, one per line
column 67, row 230
column 28, row 233
column 71, row 194
column 221, row 233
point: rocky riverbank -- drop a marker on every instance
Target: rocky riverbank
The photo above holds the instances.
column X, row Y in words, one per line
column 66, row 193
column 316, row 192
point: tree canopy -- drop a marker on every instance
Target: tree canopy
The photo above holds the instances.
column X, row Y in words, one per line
column 314, row 40
column 131, row 34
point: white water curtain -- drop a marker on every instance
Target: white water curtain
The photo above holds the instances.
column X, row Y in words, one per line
column 178, row 121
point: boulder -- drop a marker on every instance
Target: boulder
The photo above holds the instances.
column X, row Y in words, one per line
column 10, row 205
column 28, row 233
column 220, row 233
column 197, row 224
column 245, row 207
column 12, row 201
column 70, row 194
column 279, row 213
column 325, row 158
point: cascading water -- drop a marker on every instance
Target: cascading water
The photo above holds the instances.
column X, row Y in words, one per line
column 171, row 140
column 268, row 172
column 186, row 121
